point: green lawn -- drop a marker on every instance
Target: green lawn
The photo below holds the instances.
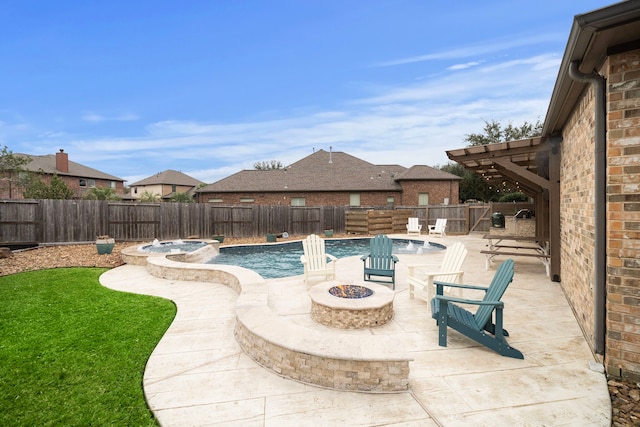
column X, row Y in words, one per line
column 73, row 352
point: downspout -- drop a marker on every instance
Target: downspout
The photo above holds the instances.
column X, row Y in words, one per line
column 600, row 243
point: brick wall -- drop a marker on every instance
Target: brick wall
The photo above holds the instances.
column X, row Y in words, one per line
column 623, row 214
column 311, row 199
column 438, row 192
column 577, row 212
column 73, row 182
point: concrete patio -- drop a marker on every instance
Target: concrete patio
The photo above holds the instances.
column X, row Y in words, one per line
column 199, row 375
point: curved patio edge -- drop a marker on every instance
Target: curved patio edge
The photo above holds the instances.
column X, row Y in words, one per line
column 375, row 364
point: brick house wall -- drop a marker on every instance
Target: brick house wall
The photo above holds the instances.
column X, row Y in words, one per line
column 438, row 191
column 622, row 354
column 73, row 182
column 623, row 215
column 338, row 198
column 577, row 189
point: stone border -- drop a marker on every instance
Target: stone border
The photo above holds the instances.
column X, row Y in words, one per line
column 351, row 313
column 340, row 361
column 134, row 256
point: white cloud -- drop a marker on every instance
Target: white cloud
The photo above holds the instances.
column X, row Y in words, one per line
column 484, row 48
column 412, row 124
column 464, row 66
column 97, row 118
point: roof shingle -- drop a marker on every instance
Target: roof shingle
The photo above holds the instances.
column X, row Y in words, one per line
column 325, row 171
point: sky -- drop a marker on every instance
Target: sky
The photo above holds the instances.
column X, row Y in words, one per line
column 209, row 88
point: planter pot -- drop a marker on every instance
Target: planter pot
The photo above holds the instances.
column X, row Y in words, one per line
column 272, row 237
column 219, row 238
column 105, row 246
column 328, row 233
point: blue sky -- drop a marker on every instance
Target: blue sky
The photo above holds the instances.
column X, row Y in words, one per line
column 209, row 88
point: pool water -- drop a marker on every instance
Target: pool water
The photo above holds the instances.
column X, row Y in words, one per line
column 173, row 246
column 282, row 260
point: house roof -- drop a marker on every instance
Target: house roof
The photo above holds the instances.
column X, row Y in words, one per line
column 324, row 171
column 594, row 36
column 47, row 164
column 169, row 177
column 425, row 173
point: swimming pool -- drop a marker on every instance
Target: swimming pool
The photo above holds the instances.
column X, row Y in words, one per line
column 283, row 259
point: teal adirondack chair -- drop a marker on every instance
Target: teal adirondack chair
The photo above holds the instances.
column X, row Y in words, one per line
column 479, row 326
column 380, row 261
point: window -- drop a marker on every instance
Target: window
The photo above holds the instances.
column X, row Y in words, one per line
column 247, row 200
column 173, row 188
column 82, row 182
column 297, row 201
column 423, row 199
column 92, row 183
column 112, row 184
column 215, row 200
column 390, row 200
column 135, row 190
column 354, row 199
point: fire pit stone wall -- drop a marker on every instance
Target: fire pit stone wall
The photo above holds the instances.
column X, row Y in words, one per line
column 351, row 313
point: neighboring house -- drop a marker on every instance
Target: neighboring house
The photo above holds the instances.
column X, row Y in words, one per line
column 584, row 173
column 335, row 179
column 77, row 177
column 164, row 185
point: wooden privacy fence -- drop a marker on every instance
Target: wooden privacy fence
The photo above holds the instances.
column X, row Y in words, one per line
column 377, row 221
column 53, row 221
column 464, row 219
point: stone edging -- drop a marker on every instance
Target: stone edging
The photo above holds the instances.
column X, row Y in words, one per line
column 368, row 363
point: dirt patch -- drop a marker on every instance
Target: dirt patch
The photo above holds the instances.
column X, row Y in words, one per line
column 86, row 255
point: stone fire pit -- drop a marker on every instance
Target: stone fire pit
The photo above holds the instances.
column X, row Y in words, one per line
column 357, row 305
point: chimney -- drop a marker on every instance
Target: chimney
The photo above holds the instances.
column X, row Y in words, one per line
column 62, row 161
column 330, row 154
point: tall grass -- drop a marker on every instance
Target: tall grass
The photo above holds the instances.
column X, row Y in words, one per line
column 73, row 352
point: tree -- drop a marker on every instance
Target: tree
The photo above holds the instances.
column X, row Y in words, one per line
column 101, row 193
column 181, row 198
column 494, row 133
column 57, row 189
column 472, row 186
column 10, row 168
column 268, row 165
column 149, row 197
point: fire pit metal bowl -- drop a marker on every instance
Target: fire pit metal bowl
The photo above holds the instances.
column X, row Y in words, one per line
column 351, row 306
column 350, row 291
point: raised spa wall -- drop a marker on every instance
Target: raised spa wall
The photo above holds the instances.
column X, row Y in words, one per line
column 326, row 358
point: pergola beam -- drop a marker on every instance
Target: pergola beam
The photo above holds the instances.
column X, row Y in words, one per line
column 522, row 173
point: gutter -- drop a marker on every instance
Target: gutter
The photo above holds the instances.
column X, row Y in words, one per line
column 600, row 244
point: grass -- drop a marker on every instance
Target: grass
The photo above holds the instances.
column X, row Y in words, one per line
column 73, row 352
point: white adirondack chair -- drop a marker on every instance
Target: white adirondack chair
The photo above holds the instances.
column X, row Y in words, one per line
column 314, row 259
column 413, row 226
column 439, row 228
column 450, row 271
